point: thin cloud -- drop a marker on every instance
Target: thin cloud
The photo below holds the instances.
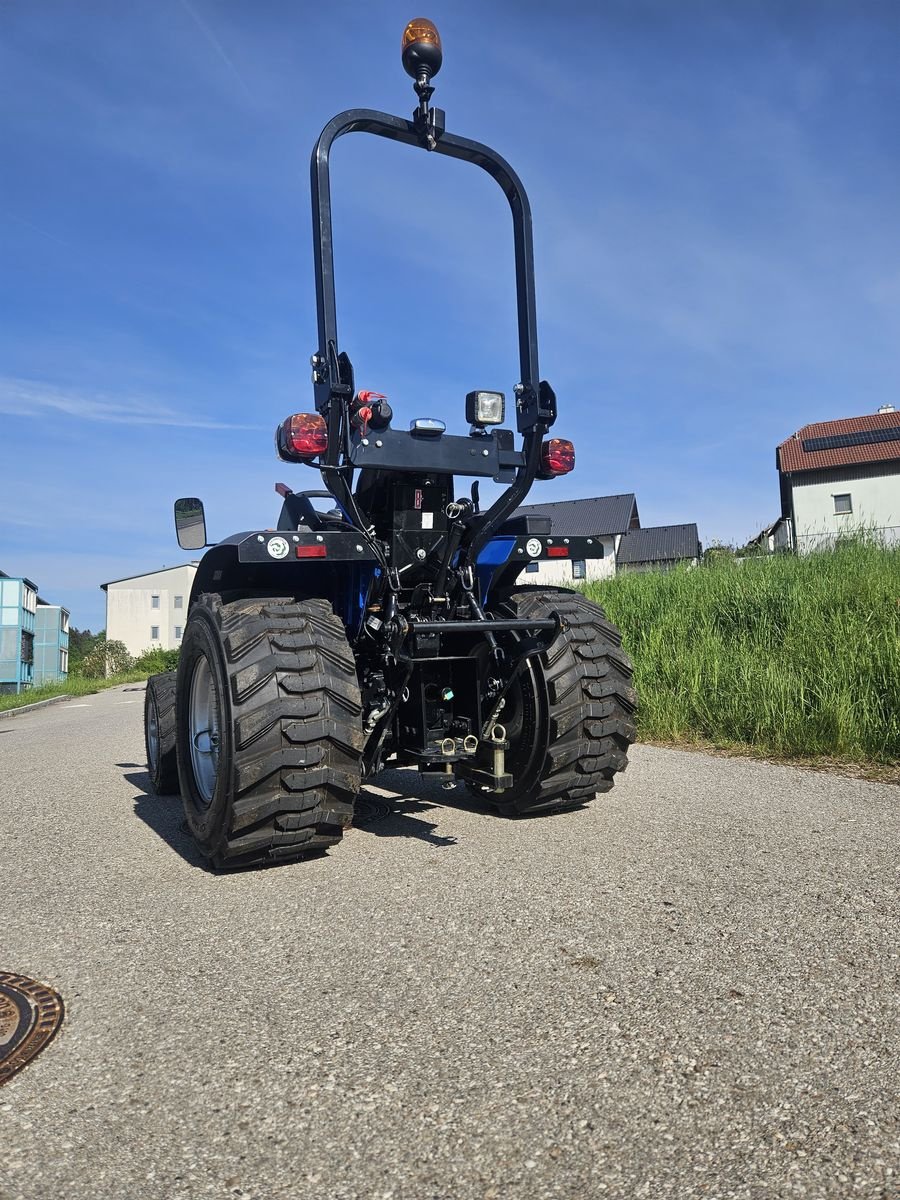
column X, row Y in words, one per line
column 216, row 44
column 26, row 398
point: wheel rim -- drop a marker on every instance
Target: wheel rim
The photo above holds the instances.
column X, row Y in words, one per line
column 152, row 735
column 204, row 730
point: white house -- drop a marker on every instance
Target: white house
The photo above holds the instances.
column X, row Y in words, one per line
column 841, row 476
column 776, row 536
column 148, row 612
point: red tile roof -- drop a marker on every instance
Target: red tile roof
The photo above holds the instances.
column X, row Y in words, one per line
column 791, row 456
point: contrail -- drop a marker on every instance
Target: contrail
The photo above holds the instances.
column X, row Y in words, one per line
column 216, row 45
column 37, row 229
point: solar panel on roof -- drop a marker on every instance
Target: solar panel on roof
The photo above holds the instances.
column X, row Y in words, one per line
column 865, row 437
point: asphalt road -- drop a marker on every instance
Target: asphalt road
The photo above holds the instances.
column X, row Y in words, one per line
column 688, row 988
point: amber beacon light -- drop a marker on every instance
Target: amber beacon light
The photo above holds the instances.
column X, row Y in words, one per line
column 420, row 49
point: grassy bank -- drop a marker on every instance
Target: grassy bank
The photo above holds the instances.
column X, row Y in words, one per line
column 792, row 656
column 72, row 687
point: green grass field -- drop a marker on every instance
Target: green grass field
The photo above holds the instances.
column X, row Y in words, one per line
column 792, row 656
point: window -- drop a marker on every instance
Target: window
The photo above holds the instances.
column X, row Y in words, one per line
column 843, row 503
column 154, row 633
column 154, row 601
column 27, row 646
column 177, row 633
column 63, row 662
column 179, row 601
column 579, row 569
column 9, row 592
column 533, row 568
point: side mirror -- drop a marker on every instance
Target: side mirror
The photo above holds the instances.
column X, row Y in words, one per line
column 190, row 523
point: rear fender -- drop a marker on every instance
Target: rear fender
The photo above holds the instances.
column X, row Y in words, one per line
column 504, row 558
column 243, row 565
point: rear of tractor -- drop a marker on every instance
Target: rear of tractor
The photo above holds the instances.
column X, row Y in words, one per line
column 390, row 626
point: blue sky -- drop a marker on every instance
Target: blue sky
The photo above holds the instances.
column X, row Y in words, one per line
column 715, row 186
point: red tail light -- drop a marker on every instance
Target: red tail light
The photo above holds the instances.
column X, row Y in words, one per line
column 302, row 436
column 557, row 457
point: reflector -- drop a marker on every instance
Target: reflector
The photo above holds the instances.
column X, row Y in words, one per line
column 557, row 551
column 319, row 550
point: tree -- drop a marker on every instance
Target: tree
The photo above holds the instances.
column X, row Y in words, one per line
column 106, row 658
column 81, row 643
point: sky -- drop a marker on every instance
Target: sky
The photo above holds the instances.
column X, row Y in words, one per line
column 716, row 197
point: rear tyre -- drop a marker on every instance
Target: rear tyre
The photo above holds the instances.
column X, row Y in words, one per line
column 569, row 719
column 269, row 734
column 159, row 733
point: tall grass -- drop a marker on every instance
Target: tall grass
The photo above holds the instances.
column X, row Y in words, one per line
column 793, row 655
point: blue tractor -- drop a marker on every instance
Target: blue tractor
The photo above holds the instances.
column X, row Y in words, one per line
column 388, row 625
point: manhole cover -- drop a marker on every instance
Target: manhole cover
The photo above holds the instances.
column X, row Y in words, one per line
column 30, row 1015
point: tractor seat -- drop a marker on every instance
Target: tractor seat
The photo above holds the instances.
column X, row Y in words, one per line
column 299, row 512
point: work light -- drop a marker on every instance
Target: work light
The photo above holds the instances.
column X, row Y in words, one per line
column 485, row 408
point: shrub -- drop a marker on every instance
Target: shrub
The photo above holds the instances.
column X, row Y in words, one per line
column 155, row 662
column 106, row 658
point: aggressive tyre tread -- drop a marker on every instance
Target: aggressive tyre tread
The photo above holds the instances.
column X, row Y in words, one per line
column 164, row 771
column 296, row 734
column 590, row 702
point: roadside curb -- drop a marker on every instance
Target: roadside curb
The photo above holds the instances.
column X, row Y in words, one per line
column 24, row 708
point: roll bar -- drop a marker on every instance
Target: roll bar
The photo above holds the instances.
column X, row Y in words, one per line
column 535, row 403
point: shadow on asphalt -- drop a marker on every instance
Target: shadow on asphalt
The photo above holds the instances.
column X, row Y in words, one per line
column 429, row 787
column 396, row 816
column 399, row 815
column 165, row 817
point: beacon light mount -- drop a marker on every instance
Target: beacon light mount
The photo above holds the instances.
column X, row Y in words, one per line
column 422, row 55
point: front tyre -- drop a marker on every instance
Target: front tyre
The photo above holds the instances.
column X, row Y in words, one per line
column 569, row 718
column 269, row 736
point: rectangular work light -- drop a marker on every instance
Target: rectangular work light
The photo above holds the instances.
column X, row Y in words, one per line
column 485, row 408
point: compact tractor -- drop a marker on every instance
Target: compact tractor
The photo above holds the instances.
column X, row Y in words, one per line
column 390, row 626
